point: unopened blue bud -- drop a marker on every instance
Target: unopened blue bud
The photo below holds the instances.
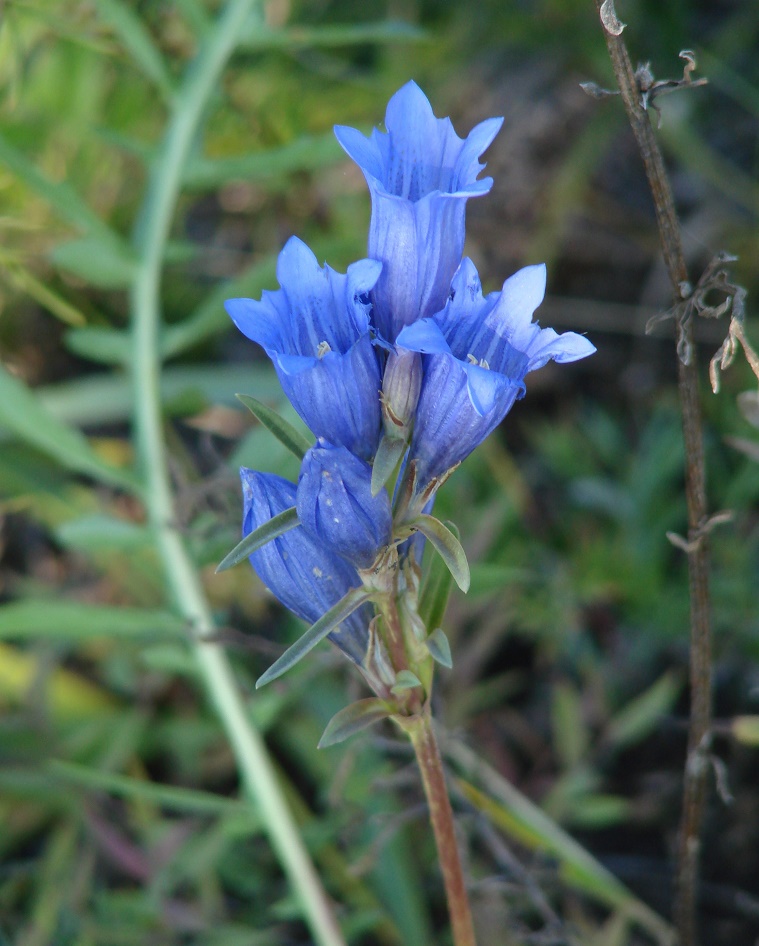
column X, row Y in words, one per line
column 301, row 573
column 336, row 507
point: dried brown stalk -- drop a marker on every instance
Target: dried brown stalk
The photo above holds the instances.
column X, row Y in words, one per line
column 699, row 736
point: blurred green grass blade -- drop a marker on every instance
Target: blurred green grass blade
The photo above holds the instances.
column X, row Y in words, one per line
column 92, row 533
column 520, row 818
column 108, row 397
column 104, row 264
column 72, row 621
column 138, row 42
column 55, row 304
column 640, row 716
column 287, row 435
column 699, row 156
column 209, row 318
column 746, row 730
column 107, row 346
column 196, row 16
column 297, row 37
column 60, row 195
column 308, row 153
column 24, row 414
column 571, row 737
column 171, row 797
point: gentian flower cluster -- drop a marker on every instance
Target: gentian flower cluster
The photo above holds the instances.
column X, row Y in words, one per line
column 399, row 367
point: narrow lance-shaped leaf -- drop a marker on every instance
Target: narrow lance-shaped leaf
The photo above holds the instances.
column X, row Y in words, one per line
column 60, row 195
column 326, row 624
column 353, row 719
column 284, row 432
column 447, row 545
column 436, row 590
column 275, row 527
column 138, row 42
column 22, row 412
column 103, row 263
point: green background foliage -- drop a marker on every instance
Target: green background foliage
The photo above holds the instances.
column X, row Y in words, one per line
column 121, row 811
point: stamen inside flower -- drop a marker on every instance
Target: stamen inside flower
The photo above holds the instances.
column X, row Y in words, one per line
column 322, row 349
column 473, row 361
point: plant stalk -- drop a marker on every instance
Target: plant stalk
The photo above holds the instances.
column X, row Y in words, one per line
column 422, row 735
column 256, row 771
column 697, row 767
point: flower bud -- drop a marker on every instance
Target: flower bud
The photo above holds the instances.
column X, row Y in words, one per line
column 301, row 573
column 336, row 507
column 401, row 385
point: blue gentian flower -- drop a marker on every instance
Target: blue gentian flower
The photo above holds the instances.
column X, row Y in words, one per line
column 298, row 570
column 316, row 331
column 420, row 174
column 336, row 507
column 477, row 351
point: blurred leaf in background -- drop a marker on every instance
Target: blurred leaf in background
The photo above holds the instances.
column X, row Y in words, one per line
column 119, row 797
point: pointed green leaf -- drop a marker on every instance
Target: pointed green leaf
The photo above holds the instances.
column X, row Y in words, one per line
column 60, row 195
column 101, row 263
column 521, row 819
column 315, row 634
column 642, row 715
column 22, row 413
column 304, row 154
column 73, row 621
column 338, row 34
column 436, row 589
column 405, row 680
column 284, row 432
column 353, row 719
column 172, row 797
column 447, row 545
column 388, row 454
column 138, row 42
column 272, row 529
column 438, row 646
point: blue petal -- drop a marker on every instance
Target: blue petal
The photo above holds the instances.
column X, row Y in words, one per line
column 424, row 336
column 448, row 424
column 336, row 507
column 337, row 396
column 300, row 572
column 316, row 330
column 420, row 174
column 492, row 343
column 420, row 246
column 420, row 154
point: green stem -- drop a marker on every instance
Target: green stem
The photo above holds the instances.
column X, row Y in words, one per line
column 422, row 735
column 256, row 770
